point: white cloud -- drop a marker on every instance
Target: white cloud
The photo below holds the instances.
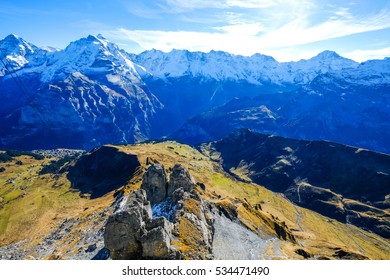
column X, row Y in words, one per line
column 240, row 29
column 292, row 54
column 167, row 40
column 364, row 55
column 252, row 4
column 275, row 29
column 299, row 31
column 186, row 5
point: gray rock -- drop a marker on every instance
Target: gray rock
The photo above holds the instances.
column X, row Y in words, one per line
column 122, row 234
column 155, row 183
column 178, row 195
column 160, row 222
column 156, row 243
column 131, row 233
column 125, row 227
column 180, row 178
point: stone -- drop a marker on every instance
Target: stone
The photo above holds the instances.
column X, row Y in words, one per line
column 160, row 222
column 122, row 234
column 201, row 185
column 91, row 248
column 103, row 254
column 125, row 227
column 180, row 178
column 156, row 243
column 155, row 183
column 178, row 195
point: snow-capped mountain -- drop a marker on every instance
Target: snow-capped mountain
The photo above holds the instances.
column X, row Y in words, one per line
column 88, row 94
column 206, row 80
column 256, row 69
column 92, row 92
column 18, row 52
column 93, row 55
column 327, row 109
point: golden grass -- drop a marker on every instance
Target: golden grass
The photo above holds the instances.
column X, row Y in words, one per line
column 31, row 205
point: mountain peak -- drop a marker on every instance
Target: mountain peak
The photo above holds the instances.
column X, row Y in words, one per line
column 91, row 39
column 328, row 54
column 101, row 37
column 12, row 37
column 94, row 43
column 13, row 44
column 327, row 61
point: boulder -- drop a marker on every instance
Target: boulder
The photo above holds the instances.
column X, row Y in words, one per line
column 155, row 183
column 180, row 178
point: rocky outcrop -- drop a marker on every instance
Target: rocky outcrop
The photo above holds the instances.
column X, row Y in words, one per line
column 180, row 178
column 155, row 183
column 131, row 233
column 125, row 227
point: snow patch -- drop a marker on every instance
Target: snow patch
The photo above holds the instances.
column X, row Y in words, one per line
column 165, row 209
column 115, row 79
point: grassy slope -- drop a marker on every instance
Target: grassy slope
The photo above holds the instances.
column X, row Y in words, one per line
column 32, row 207
column 319, row 234
column 31, row 204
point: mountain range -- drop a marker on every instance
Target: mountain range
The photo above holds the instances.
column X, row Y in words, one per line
column 93, row 93
column 191, row 155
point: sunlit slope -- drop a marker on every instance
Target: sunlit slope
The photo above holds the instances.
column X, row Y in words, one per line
column 32, row 205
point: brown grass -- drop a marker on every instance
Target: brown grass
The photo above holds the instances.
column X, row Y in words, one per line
column 30, row 208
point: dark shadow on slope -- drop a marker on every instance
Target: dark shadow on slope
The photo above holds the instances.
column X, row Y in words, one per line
column 103, row 170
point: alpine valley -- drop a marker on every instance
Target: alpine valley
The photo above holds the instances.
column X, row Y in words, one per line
column 190, row 155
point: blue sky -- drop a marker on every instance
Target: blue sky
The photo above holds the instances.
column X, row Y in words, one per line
column 288, row 30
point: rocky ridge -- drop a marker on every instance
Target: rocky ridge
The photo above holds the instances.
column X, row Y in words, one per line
column 180, row 224
column 132, row 232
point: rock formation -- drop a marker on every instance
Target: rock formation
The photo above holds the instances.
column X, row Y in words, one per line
column 182, row 225
column 131, row 233
column 155, row 183
column 125, row 227
column 180, row 178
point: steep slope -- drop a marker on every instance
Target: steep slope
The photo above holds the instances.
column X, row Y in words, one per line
column 66, row 225
column 88, row 94
column 256, row 69
column 188, row 83
column 353, row 112
column 92, row 93
column 348, row 184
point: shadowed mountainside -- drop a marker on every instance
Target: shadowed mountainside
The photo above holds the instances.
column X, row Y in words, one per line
column 102, row 170
column 342, row 182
